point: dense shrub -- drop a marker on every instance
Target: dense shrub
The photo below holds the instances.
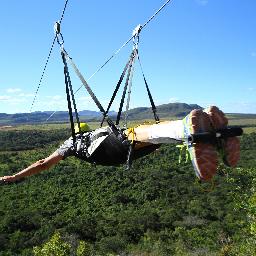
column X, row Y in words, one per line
column 156, row 208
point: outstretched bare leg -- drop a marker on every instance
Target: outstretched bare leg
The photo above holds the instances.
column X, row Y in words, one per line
column 203, row 155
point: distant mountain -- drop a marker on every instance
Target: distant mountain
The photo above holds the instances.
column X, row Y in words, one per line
column 93, row 114
column 164, row 111
column 141, row 113
column 90, row 113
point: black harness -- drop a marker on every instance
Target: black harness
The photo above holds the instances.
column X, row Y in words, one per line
column 115, row 148
column 112, row 151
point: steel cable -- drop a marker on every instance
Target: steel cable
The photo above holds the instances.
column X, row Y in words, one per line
column 48, row 58
column 117, row 51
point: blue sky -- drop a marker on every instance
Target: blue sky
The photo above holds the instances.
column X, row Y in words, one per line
column 194, row 51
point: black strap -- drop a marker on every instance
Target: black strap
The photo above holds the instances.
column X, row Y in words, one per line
column 125, row 88
column 117, row 131
column 214, row 137
column 153, row 106
column 74, row 102
column 67, row 81
column 117, row 87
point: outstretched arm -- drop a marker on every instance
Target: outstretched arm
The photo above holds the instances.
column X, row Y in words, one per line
column 41, row 165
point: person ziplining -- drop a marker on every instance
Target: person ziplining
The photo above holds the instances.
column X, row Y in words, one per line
column 204, row 133
column 204, row 155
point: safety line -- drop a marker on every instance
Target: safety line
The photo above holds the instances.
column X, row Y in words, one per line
column 47, row 60
column 153, row 16
column 63, row 12
column 40, row 81
column 117, row 51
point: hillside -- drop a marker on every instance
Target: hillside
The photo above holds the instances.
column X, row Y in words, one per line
column 165, row 110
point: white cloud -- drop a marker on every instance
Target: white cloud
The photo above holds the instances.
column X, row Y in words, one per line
column 85, row 102
column 25, row 95
column 51, row 104
column 202, row 2
column 86, row 98
column 13, row 90
column 55, row 97
column 253, row 54
column 174, row 100
column 4, row 97
column 251, row 89
column 12, row 100
column 58, row 102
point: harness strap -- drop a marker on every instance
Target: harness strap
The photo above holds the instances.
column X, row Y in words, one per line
column 117, row 88
column 74, row 102
column 151, row 101
column 130, row 156
column 87, row 87
column 129, row 94
column 68, row 86
column 153, row 106
column 118, row 133
column 125, row 88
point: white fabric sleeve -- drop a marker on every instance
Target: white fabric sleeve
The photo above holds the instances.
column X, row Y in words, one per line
column 66, row 149
column 166, row 132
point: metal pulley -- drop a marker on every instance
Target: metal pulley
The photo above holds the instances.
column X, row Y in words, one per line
column 135, row 36
column 58, row 34
column 57, row 27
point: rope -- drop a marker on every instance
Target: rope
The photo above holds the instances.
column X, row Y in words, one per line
column 183, row 147
column 40, row 81
column 117, row 51
column 47, row 60
column 131, row 131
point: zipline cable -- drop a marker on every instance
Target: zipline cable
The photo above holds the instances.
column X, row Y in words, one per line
column 47, row 60
column 40, row 81
column 153, row 16
column 117, row 51
column 63, row 12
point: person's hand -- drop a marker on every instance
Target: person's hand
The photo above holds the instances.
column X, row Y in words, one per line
column 6, row 179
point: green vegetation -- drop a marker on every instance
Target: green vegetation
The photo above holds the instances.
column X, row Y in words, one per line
column 156, row 208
